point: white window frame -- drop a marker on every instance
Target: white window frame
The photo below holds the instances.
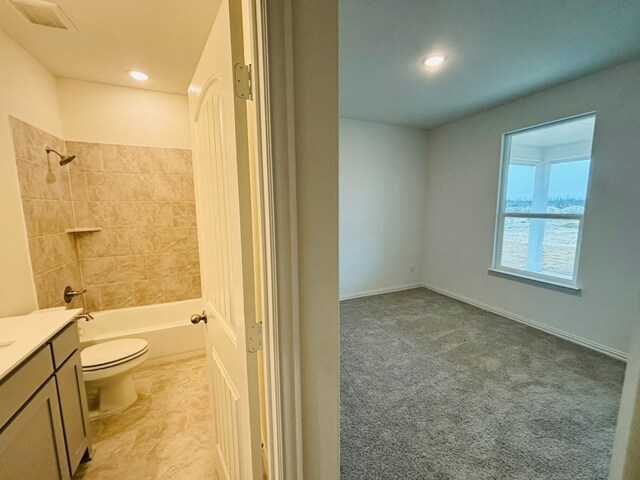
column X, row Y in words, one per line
column 572, row 283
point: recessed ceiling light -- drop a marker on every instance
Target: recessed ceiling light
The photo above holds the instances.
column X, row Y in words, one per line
column 138, row 75
column 434, row 60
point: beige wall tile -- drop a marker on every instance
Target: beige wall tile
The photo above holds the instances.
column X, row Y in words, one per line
column 160, row 240
column 91, row 214
column 45, row 289
column 92, row 301
column 148, row 293
column 161, row 266
column 188, row 263
column 41, row 182
column 133, row 159
column 181, row 288
column 143, row 199
column 117, row 296
column 88, row 156
column 184, row 214
column 174, row 239
column 50, row 286
column 30, row 211
column 46, row 217
column 150, row 159
column 140, row 240
column 178, row 162
column 119, row 186
column 159, row 214
column 105, row 186
column 166, row 188
column 188, row 191
column 131, row 268
column 50, row 252
column 193, row 238
column 98, row 271
column 30, row 142
column 138, row 187
column 104, row 243
column 184, row 209
column 123, row 214
column 79, row 190
column 116, row 158
column 20, row 138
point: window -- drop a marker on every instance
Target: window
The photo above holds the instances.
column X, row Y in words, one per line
column 543, row 192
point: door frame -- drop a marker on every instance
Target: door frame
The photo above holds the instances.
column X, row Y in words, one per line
column 278, row 254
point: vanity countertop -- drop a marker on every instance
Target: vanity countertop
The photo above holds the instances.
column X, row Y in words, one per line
column 28, row 333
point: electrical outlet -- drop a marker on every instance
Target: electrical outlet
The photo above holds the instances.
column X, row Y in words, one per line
column 413, row 269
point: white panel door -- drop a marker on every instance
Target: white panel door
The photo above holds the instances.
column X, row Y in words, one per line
column 224, row 198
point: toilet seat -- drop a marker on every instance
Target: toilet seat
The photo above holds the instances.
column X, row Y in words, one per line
column 112, row 353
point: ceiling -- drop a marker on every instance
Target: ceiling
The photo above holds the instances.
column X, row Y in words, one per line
column 163, row 38
column 496, row 51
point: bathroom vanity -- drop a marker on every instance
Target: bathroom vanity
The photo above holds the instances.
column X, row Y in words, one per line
column 44, row 425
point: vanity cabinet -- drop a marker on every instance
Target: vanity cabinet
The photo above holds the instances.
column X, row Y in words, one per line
column 73, row 408
column 44, row 431
column 32, row 444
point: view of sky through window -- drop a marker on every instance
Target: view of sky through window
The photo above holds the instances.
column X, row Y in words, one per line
column 547, row 174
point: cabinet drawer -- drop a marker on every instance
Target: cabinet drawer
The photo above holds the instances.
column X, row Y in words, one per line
column 64, row 344
column 23, row 382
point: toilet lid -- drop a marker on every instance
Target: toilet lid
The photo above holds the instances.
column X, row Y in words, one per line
column 112, row 352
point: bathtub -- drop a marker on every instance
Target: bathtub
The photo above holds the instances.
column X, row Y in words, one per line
column 165, row 326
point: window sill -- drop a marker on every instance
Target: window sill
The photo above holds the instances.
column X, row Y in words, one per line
column 562, row 287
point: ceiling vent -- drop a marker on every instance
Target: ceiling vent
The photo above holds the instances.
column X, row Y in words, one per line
column 42, row 12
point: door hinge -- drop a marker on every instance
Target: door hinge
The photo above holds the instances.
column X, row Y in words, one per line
column 254, row 337
column 242, row 77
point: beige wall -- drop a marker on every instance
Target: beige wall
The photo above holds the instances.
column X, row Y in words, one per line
column 95, row 112
column 28, row 92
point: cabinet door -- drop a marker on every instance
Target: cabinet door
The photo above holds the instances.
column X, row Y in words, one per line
column 73, row 404
column 32, row 443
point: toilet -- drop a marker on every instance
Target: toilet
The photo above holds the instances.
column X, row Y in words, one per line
column 107, row 368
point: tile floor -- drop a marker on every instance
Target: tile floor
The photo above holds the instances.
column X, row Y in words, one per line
column 164, row 435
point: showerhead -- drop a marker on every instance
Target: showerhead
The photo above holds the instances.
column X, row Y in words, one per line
column 64, row 159
column 67, row 159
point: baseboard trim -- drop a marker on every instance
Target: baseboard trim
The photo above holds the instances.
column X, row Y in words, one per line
column 611, row 352
column 379, row 291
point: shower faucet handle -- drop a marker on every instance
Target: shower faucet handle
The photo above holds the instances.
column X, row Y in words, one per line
column 70, row 293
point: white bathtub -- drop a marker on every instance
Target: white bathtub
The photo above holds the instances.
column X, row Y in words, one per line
column 165, row 326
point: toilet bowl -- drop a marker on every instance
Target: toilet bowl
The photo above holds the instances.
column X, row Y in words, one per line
column 107, row 368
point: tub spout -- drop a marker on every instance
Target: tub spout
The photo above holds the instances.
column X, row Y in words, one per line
column 86, row 315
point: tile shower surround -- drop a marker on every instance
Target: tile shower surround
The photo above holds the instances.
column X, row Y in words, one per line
column 142, row 198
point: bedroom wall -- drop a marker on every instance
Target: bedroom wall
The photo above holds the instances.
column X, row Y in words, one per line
column 462, row 183
column 382, row 191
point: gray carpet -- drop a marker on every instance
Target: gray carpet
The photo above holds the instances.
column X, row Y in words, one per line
column 432, row 388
